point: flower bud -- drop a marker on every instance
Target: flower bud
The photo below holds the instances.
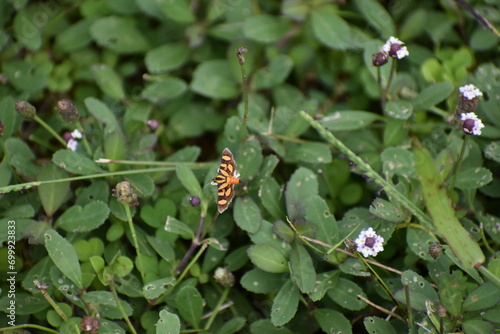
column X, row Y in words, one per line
column 124, row 194
column 90, row 324
column 25, row 109
column 224, row 277
column 68, row 111
column 379, row 59
column 435, row 249
column 194, row 201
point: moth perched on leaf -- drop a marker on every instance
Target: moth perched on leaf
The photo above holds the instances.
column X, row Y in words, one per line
column 225, row 180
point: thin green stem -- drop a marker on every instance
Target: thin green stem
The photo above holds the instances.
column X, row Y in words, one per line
column 489, row 275
column 50, row 130
column 120, row 306
column 241, row 60
column 459, row 164
column 40, row 328
column 370, row 172
column 222, row 298
column 389, row 81
column 134, row 239
column 84, row 139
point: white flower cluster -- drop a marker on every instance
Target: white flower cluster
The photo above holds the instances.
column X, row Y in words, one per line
column 73, row 142
column 471, row 124
column 394, row 48
column 470, row 91
column 369, row 243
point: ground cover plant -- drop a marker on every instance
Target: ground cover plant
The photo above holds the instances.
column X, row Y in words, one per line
column 231, row 166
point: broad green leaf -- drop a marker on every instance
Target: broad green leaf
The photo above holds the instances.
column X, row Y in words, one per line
column 115, row 148
column 285, row 304
column 268, row 259
column 21, row 158
column 486, row 78
column 27, row 28
column 214, row 79
column 168, row 323
column 188, row 180
column 348, row 120
column 142, row 184
column 28, row 75
column 274, row 74
column 271, row 196
column 377, row 16
column 27, row 303
column 398, row 161
column 492, row 151
column 103, row 114
column 399, row 109
column 283, row 231
column 387, row 210
column 75, row 163
column 330, row 29
column 64, row 256
column 10, row 119
column 475, row 326
column 396, row 133
column 432, row 95
column 421, row 291
column 75, row 36
column 52, row 195
column 65, row 286
column 485, row 296
column 308, row 152
column 118, row 34
column 88, row 218
column 176, row 226
column 236, row 259
column 419, row 241
column 332, row 321
column 463, row 246
column 169, row 88
column 258, row 281
column 324, row 281
column 247, row 214
column 302, row 182
column 190, row 305
column 106, row 304
column 377, row 325
column 157, row 215
column 166, row 57
column 473, row 178
column 232, row 326
column 108, row 80
column 179, row 10
column 266, row 28
column 266, row 326
column 234, row 132
column 450, row 295
column 249, row 159
column 319, row 214
column 302, row 269
column 345, row 294
column 156, row 288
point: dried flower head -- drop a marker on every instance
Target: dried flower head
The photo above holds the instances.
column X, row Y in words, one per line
column 394, row 47
column 435, row 249
column 471, row 124
column 68, row 111
column 380, row 58
column 25, row 109
column 224, row 277
column 125, row 194
column 369, row 243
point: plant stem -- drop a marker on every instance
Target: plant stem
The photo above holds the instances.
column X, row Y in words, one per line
column 389, row 81
column 222, row 298
column 241, row 60
column 50, row 130
column 459, row 164
column 120, row 307
column 134, row 238
column 84, row 139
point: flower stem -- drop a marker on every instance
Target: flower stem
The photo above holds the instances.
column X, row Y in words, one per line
column 50, row 130
column 459, row 164
column 134, row 238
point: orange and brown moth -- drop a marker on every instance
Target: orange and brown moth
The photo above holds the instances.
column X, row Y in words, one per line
column 225, row 180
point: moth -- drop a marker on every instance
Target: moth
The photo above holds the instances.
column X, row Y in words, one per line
column 225, row 180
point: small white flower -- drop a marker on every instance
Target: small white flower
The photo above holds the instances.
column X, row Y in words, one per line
column 76, row 134
column 394, row 47
column 471, row 124
column 72, row 144
column 369, row 243
column 470, row 91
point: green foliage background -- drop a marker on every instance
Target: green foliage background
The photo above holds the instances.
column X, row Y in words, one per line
column 321, row 157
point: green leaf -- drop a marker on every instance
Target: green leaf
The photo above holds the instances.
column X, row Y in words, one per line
column 10, row 119
column 258, row 281
column 28, row 75
column 268, row 258
column 285, row 304
column 52, row 195
column 283, row 231
column 274, row 74
column 249, row 158
column 266, row 326
column 330, row 29
column 247, row 214
column 27, row 29
column 115, row 148
column 118, row 34
column 450, row 293
column 345, row 294
column 271, row 196
column 308, row 152
column 377, row 325
column 106, row 304
column 387, row 210
column 142, row 184
column 473, row 178
column 302, row 269
column 108, row 80
column 188, row 180
column 348, row 120
column 377, row 16
column 168, row 323
column 332, row 321
column 303, row 181
column 156, row 288
column 463, row 246
column 190, row 305
column 485, row 296
column 179, row 10
column 318, row 213
column 75, row 163
column 399, row 109
column 88, row 218
column 75, row 36
column 266, row 28
column 324, row 281
column 64, row 256
column 166, row 57
column 398, row 161
column 214, row 79
column 492, row 151
column 166, row 89
column 176, row 226
column 103, row 114
column 21, row 157
column 157, row 215
column 473, row 326
column 432, row 95
column 419, row 241
column 421, row 291
column 232, row 326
